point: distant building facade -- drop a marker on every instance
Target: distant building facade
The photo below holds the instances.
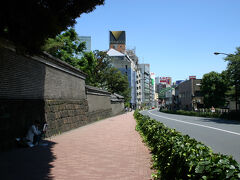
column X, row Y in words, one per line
column 145, row 84
column 127, row 67
column 117, row 40
column 188, row 96
column 154, row 100
column 86, row 39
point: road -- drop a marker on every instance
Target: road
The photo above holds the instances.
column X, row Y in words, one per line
column 223, row 136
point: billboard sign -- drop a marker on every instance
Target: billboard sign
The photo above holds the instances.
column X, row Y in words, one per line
column 178, row 82
column 165, row 80
column 192, row 77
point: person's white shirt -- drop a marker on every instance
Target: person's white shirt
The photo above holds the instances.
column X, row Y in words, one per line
column 33, row 130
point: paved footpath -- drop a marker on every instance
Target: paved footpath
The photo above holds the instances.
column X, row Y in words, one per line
column 107, row 149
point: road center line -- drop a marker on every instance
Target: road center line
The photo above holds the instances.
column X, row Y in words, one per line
column 210, row 127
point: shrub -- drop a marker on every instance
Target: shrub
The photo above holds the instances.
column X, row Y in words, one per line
column 194, row 113
column 177, row 156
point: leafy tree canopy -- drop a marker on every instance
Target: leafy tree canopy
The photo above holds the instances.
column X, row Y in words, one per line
column 96, row 64
column 66, row 46
column 214, row 87
column 29, row 23
column 118, row 83
column 100, row 74
column 233, row 73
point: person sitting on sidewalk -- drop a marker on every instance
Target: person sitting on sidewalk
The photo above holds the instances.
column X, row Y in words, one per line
column 34, row 134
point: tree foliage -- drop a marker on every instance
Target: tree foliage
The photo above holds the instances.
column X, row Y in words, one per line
column 29, row 23
column 66, row 46
column 118, row 83
column 214, row 87
column 96, row 64
column 101, row 74
column 233, row 73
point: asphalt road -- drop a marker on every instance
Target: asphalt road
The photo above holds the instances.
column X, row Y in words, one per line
column 223, row 136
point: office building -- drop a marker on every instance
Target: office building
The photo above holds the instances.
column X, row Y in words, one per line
column 87, row 40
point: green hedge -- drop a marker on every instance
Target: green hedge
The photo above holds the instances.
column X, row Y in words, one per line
column 177, row 156
column 193, row 113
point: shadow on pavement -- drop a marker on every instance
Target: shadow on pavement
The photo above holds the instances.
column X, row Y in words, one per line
column 27, row 163
column 221, row 121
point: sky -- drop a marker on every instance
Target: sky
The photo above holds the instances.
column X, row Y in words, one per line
column 176, row 37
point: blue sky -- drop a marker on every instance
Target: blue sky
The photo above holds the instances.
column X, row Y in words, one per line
column 176, row 37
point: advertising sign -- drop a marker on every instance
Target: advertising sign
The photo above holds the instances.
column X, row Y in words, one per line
column 192, row 77
column 166, row 80
column 178, row 82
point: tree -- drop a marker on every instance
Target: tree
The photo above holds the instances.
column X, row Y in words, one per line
column 118, row 83
column 101, row 74
column 66, row 46
column 29, row 23
column 233, row 72
column 96, row 64
column 213, row 88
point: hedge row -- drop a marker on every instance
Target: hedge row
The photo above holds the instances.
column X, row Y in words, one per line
column 230, row 115
column 177, row 156
column 193, row 113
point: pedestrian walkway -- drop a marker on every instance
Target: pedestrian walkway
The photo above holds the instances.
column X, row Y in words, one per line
column 109, row 149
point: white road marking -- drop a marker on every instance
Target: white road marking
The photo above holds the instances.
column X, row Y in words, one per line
column 210, row 127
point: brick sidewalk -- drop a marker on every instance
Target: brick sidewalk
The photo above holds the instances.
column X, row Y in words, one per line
column 108, row 149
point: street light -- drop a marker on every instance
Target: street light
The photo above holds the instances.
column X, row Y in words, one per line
column 236, row 96
column 217, row 53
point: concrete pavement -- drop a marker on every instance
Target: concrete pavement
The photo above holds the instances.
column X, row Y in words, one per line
column 107, row 149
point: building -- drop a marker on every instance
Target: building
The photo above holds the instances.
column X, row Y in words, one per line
column 188, row 96
column 128, row 67
column 164, row 90
column 145, row 84
column 139, row 99
column 127, row 62
column 153, row 93
column 86, row 39
column 117, row 40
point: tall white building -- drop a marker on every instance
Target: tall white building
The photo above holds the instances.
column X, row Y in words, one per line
column 145, row 84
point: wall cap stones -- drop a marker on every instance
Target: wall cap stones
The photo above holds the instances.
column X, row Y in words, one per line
column 96, row 91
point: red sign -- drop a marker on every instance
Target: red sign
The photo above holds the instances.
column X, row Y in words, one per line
column 192, row 77
column 166, row 80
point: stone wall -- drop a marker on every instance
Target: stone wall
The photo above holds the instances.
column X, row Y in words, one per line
column 38, row 88
column 117, row 104
column 20, row 77
column 99, row 103
column 64, row 115
column 46, row 89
